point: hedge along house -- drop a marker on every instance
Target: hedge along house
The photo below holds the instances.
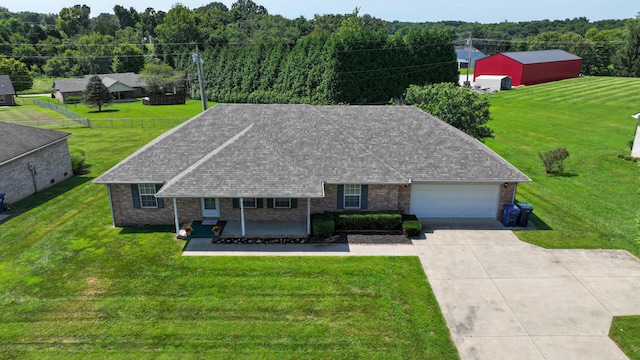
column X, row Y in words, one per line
column 31, row 160
column 530, row 67
column 249, row 163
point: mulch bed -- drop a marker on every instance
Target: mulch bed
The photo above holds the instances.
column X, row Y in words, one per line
column 341, row 238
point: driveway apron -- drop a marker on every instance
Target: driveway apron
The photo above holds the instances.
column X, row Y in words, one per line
column 506, row 299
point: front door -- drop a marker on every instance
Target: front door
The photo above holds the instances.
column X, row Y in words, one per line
column 210, row 207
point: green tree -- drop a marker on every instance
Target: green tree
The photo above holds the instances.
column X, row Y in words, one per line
column 127, row 58
column 179, row 28
column 96, row 94
column 626, row 62
column 96, row 53
column 105, row 24
column 461, row 107
column 162, row 78
column 605, row 44
column 73, row 20
column 127, row 18
column 18, row 72
column 57, row 66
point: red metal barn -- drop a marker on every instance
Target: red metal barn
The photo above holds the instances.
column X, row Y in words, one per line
column 530, row 67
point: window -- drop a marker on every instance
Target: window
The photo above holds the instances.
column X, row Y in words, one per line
column 210, row 203
column 352, row 196
column 2, row 99
column 282, row 203
column 147, row 198
column 249, row 203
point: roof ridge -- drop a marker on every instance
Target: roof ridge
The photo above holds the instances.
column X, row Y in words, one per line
column 196, row 164
column 285, row 155
column 148, row 145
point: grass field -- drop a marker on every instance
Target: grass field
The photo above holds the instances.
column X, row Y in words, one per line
column 594, row 204
column 134, row 114
column 73, row 286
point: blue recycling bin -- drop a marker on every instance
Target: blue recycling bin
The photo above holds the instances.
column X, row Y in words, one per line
column 525, row 213
column 510, row 215
column 1, row 203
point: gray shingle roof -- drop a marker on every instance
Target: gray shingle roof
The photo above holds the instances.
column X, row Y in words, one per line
column 6, row 86
column 18, row 140
column 74, row 85
column 541, row 56
column 290, row 150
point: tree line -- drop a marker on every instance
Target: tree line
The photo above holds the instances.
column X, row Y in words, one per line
column 251, row 55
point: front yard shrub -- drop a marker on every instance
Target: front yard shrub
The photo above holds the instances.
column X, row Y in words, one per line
column 554, row 160
column 411, row 226
column 322, row 226
column 72, row 100
column 372, row 220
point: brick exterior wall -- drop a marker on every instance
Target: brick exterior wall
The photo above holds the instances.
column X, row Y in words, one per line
column 507, row 194
column 124, row 212
column 227, row 212
column 52, row 164
column 404, row 198
column 381, row 197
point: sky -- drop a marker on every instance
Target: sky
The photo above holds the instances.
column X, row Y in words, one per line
column 493, row 11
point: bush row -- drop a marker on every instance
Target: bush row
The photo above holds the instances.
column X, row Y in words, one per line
column 323, row 225
column 411, row 226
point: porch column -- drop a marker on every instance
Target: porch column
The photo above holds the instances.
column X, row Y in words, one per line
column 242, row 216
column 309, row 216
column 175, row 216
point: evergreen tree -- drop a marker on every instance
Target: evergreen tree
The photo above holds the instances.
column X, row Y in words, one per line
column 96, row 94
column 626, row 62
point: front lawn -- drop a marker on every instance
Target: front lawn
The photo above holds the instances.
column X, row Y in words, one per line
column 73, row 286
column 135, row 114
column 594, row 204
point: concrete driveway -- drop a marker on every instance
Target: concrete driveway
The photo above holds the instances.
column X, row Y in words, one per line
column 506, row 299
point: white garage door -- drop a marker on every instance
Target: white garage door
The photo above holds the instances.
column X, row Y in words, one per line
column 432, row 200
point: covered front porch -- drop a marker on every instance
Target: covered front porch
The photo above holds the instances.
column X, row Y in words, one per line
column 253, row 229
column 261, row 218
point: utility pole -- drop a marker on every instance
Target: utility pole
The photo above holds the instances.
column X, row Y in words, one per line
column 197, row 58
column 469, row 44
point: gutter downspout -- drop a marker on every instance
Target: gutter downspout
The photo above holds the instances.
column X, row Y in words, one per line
column 308, row 216
column 32, row 168
column 113, row 215
column 175, row 215
column 242, row 217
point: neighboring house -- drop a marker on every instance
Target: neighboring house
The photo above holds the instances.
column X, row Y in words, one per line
column 7, row 93
column 285, row 162
column 31, row 159
column 464, row 54
column 530, row 67
column 123, row 86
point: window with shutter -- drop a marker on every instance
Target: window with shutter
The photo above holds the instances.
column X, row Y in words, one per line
column 147, row 195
